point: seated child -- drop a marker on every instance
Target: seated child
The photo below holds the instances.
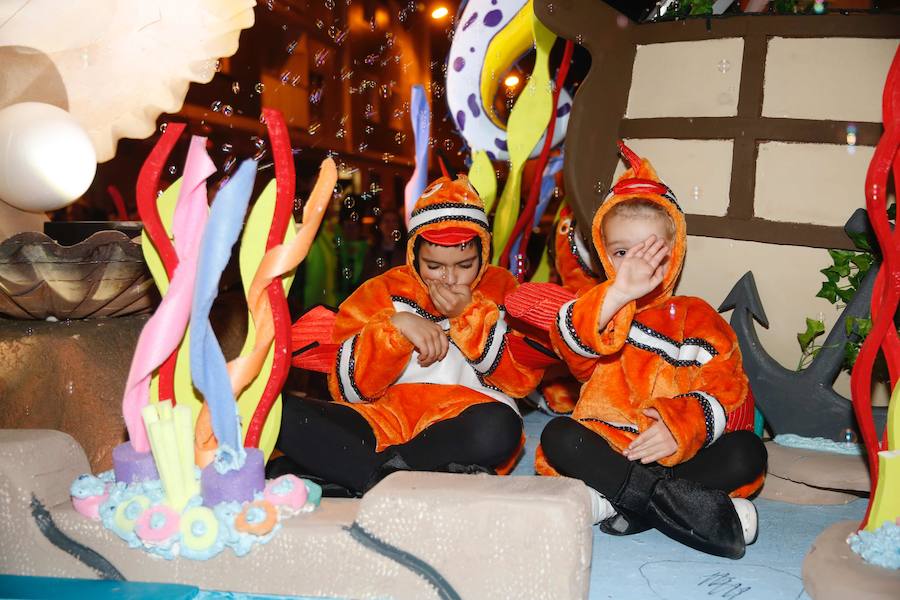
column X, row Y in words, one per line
column 661, row 374
column 424, row 377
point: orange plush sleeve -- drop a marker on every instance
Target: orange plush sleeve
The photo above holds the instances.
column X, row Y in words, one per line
column 372, row 352
column 697, row 416
column 577, row 338
column 481, row 334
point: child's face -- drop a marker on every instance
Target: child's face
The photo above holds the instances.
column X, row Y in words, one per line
column 452, row 265
column 620, row 233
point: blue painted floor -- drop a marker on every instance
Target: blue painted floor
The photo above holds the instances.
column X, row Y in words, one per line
column 650, row 565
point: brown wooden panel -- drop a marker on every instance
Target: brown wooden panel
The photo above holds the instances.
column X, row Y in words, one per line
column 762, row 129
column 833, row 25
column 769, row 232
column 600, row 104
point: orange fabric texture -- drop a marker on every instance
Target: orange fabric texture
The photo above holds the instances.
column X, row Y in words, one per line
column 671, row 353
column 376, row 371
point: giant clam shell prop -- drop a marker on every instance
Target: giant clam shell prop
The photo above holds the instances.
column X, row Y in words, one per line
column 103, row 276
column 122, row 62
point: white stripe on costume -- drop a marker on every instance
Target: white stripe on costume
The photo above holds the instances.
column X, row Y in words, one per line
column 567, row 332
column 714, row 414
column 687, row 353
column 494, row 345
column 427, row 216
column 345, row 377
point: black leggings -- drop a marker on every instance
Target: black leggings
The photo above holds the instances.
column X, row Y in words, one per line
column 733, row 460
column 335, row 443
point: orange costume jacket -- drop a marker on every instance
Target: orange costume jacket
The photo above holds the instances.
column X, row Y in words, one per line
column 671, row 353
column 376, row 371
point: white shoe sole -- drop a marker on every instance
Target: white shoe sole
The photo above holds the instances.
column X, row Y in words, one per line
column 746, row 512
column 601, row 509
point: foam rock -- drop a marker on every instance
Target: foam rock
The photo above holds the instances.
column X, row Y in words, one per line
column 415, row 535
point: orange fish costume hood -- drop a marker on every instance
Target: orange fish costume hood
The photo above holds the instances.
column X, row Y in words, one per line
column 449, row 212
column 640, row 182
column 672, row 353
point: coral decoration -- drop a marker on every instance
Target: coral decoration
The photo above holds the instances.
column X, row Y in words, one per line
column 154, row 230
column 521, row 228
column 885, row 299
column 161, row 337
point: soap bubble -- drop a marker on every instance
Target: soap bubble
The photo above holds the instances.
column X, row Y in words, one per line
column 236, row 87
column 396, row 235
column 259, row 87
column 848, row 435
column 216, row 105
column 227, row 110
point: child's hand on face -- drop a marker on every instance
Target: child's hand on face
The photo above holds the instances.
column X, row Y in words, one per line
column 655, row 443
column 450, row 300
column 642, row 269
column 428, row 338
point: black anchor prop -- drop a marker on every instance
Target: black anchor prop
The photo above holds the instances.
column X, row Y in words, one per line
column 802, row 402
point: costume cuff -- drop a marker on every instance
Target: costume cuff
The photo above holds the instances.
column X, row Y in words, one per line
column 577, row 322
column 480, row 333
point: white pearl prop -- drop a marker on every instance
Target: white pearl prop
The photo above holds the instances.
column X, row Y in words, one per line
column 47, row 160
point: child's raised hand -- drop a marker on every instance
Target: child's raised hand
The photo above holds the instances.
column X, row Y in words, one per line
column 642, row 269
column 450, row 300
column 428, row 338
column 653, row 443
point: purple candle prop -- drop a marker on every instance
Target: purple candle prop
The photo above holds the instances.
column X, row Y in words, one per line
column 131, row 466
column 234, row 485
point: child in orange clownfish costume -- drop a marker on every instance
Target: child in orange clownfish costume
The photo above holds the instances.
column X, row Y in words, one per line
column 425, row 372
column 661, row 375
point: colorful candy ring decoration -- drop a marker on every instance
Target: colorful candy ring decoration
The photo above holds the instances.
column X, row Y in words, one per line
column 90, row 507
column 157, row 524
column 199, row 528
column 129, row 511
column 258, row 518
column 287, row 491
column 488, row 39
